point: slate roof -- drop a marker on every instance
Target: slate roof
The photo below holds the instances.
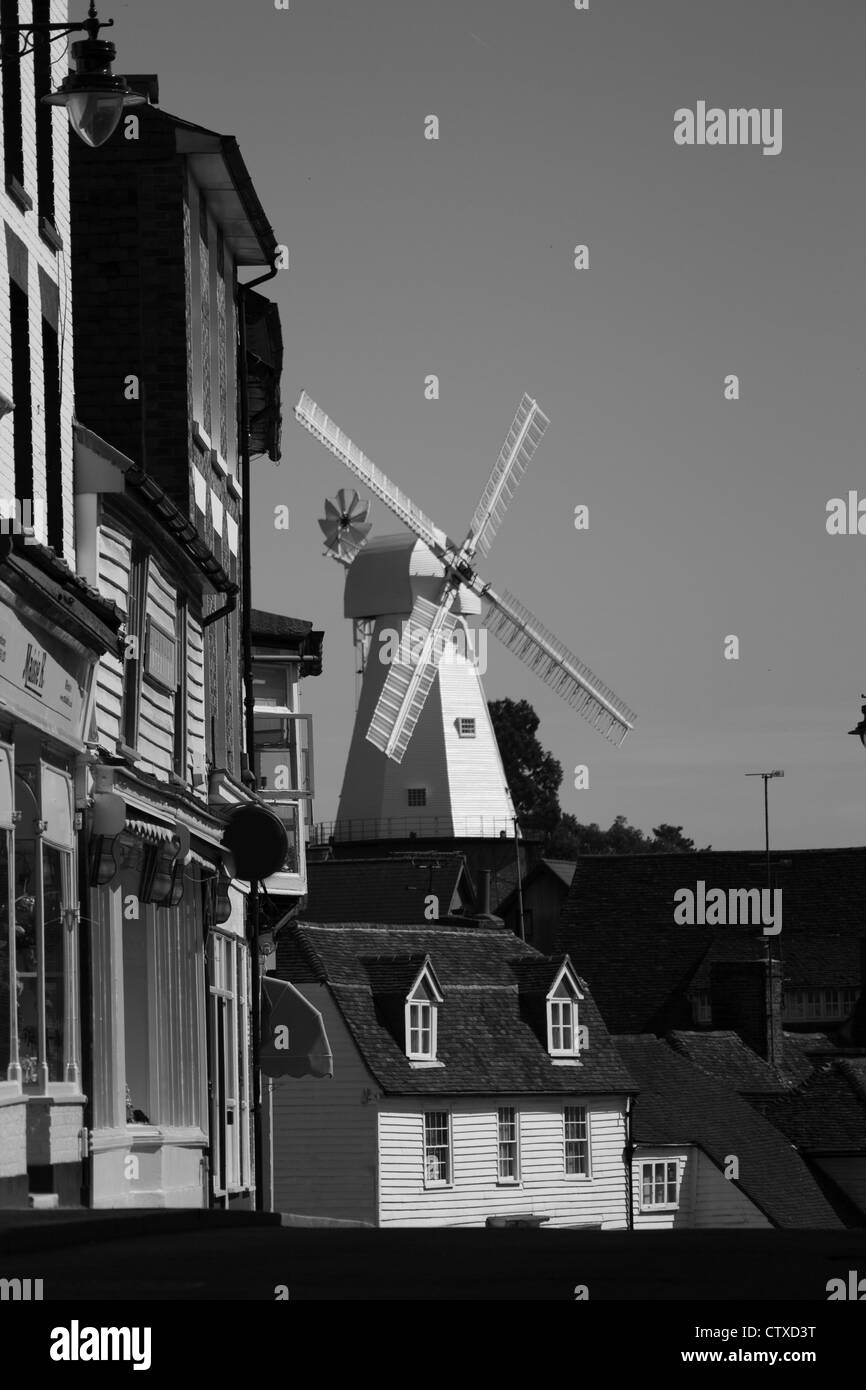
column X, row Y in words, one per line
column 561, row 869
column 275, row 626
column 488, row 1034
column 723, row 1054
column 828, row 1113
column 617, row 924
column 55, row 568
column 679, row 1104
column 394, row 889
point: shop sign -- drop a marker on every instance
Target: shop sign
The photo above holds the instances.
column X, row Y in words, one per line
column 42, row 682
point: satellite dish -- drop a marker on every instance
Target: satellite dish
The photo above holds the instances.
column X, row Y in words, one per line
column 257, row 841
column 345, row 525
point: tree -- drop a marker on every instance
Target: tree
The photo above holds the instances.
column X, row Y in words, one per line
column 534, row 778
column 533, row 775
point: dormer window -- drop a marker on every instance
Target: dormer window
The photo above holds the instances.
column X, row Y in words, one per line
column 563, row 1035
column 422, row 1016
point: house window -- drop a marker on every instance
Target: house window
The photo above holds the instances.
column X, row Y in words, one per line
column 421, row 1030
column 13, row 145
column 576, row 1141
column 437, row 1148
column 44, row 114
column 509, row 1153
column 800, row 1004
column 139, row 568
column 701, row 1008
column 466, row 728
column 563, row 1034
column 19, row 332
column 421, row 1017
column 417, row 796
column 181, row 692
column 659, row 1185
column 562, row 1027
column 53, row 434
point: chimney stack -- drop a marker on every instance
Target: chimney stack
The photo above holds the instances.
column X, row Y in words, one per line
column 746, row 996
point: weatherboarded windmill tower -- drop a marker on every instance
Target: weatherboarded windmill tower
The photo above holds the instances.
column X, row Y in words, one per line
column 423, row 762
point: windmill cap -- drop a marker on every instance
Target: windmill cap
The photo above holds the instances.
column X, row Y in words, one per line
column 391, row 572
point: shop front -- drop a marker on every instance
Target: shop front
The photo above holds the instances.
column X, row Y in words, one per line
column 168, row 971
column 53, row 628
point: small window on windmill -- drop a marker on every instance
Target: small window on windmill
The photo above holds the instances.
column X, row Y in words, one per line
column 466, row 728
column 417, row 796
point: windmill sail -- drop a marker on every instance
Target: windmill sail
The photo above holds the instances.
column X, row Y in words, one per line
column 313, row 418
column 521, row 442
column 408, row 683
column 523, row 634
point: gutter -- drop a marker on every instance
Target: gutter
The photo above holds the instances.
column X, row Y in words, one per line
column 249, row 722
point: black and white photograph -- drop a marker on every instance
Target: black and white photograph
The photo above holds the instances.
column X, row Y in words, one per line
column 432, row 713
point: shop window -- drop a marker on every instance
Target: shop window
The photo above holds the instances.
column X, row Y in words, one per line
column 45, row 935
column 7, row 948
column 228, row 1022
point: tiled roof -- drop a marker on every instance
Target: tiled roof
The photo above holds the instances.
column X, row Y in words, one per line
column 393, row 974
column 384, row 890
column 828, row 1113
column 275, row 625
column 560, row 869
column 488, row 1034
column 724, row 1055
column 46, row 559
column 679, row 1104
column 618, row 926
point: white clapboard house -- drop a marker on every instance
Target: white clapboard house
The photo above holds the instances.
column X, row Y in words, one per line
column 473, row 1079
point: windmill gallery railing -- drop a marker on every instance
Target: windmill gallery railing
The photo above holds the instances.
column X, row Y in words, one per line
column 415, row 827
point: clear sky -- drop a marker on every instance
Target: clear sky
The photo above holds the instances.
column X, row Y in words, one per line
column 707, row 517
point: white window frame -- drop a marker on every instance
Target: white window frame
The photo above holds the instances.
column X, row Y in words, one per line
column 448, row 1181
column 425, row 994
column 464, row 732
column 666, row 1163
column 505, row 1179
column 701, row 1002
column 420, row 1053
column 566, row 1140
column 563, row 1014
column 561, row 1019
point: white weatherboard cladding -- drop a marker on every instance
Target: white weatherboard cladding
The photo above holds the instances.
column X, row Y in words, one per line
column 475, row 1194
column 476, row 778
column 706, row 1197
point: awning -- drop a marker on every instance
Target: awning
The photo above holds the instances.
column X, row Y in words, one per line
column 148, row 830
column 294, row 1041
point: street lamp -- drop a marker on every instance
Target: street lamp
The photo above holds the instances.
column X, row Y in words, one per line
column 94, row 98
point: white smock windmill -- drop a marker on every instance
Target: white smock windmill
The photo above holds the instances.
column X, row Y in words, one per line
column 449, row 585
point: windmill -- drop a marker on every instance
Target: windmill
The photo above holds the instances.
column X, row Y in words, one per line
column 345, row 526
column 407, row 686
